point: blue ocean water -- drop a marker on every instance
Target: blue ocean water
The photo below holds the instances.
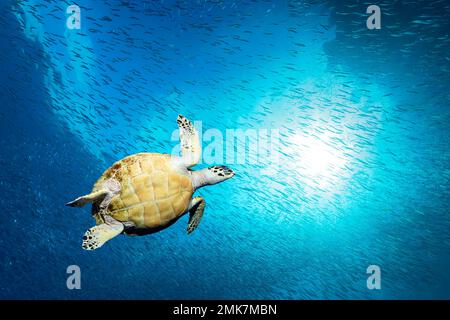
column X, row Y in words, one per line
column 362, row 161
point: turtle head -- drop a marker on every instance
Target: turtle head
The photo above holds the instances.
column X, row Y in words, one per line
column 211, row 175
column 216, row 174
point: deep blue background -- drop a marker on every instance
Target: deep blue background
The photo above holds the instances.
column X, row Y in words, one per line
column 363, row 117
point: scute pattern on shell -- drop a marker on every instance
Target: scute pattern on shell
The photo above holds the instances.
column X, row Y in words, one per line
column 152, row 193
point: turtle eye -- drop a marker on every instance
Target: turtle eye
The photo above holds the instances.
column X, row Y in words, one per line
column 227, row 171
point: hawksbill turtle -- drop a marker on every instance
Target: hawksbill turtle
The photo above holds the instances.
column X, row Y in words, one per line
column 147, row 192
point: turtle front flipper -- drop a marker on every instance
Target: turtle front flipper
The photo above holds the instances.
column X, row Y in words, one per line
column 81, row 201
column 96, row 236
column 191, row 149
column 197, row 207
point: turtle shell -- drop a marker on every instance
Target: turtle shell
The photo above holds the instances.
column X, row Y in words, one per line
column 152, row 193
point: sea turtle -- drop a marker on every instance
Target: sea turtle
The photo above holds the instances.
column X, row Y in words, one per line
column 147, row 192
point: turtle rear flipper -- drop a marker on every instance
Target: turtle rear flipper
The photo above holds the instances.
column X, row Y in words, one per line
column 96, row 236
column 110, row 188
column 81, row 201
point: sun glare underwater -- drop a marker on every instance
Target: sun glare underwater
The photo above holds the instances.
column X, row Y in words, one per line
column 355, row 171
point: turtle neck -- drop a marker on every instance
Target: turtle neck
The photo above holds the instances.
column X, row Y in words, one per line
column 199, row 178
